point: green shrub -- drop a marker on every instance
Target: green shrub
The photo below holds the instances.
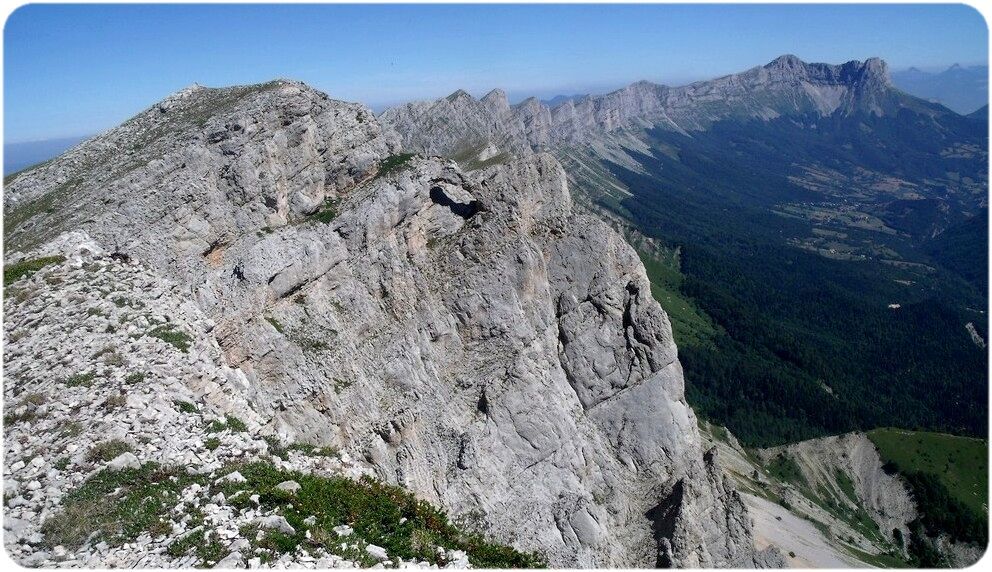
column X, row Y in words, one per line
column 230, row 422
column 208, row 552
column 216, row 426
column 185, row 406
column 81, row 379
column 394, row 163
column 25, row 268
column 235, row 424
column 327, row 213
column 172, row 336
column 136, row 377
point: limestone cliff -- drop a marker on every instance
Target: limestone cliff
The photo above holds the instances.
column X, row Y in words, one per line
column 469, row 336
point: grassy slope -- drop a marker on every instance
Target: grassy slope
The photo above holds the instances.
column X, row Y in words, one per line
column 690, row 326
column 961, row 463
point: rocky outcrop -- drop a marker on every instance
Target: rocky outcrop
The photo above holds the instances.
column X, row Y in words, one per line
column 460, row 125
column 850, row 467
column 469, row 336
column 830, row 502
column 199, row 169
column 111, row 372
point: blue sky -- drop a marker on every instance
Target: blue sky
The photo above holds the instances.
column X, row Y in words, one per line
column 72, row 70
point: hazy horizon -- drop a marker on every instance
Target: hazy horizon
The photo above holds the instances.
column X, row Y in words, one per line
column 79, row 69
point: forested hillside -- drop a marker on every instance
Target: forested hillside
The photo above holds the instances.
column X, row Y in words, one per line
column 807, row 343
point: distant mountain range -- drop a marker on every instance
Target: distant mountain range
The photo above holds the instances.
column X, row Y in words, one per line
column 786, row 86
column 962, row 89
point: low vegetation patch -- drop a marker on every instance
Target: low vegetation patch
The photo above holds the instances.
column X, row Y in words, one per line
column 185, row 406
column 847, row 486
column 168, row 334
column 327, row 211
column 394, row 163
column 282, row 451
column 784, row 468
column 275, row 324
column 230, row 422
column 136, row 377
column 383, row 515
column 114, row 401
column 69, row 429
column 110, row 356
column 30, row 404
column 84, row 379
column 25, row 268
column 117, row 507
column 208, row 552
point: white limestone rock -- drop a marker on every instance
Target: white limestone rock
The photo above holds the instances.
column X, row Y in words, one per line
column 124, row 461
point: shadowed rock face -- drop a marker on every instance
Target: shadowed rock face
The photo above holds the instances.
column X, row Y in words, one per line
column 469, row 336
column 459, row 124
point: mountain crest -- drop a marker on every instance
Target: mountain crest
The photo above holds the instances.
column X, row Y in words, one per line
column 496, row 100
column 460, row 95
column 876, row 69
column 786, row 61
column 786, row 86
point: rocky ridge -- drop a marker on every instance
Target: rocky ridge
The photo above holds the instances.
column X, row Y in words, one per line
column 460, row 126
column 467, row 336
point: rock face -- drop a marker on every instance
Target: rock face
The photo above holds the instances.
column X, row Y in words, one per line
column 884, row 497
column 460, row 125
column 469, row 336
